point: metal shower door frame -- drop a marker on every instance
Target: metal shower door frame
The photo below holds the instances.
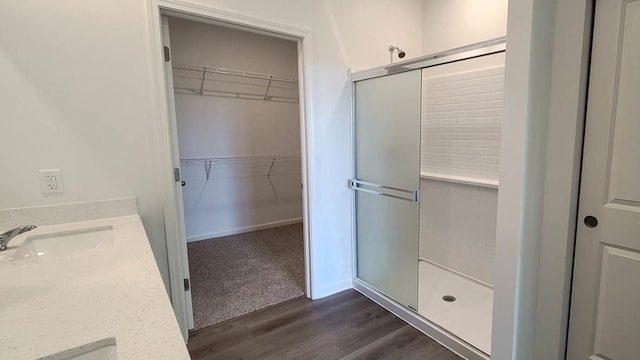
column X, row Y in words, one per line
column 424, row 325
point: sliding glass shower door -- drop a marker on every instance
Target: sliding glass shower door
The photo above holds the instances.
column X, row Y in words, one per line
column 387, row 170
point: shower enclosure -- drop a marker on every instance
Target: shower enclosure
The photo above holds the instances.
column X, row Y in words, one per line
column 426, row 136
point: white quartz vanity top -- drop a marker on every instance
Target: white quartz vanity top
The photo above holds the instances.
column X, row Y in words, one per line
column 111, row 291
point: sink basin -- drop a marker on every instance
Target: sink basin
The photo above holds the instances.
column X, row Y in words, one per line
column 63, row 243
column 104, row 349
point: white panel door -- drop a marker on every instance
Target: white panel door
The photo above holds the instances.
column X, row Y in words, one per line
column 605, row 303
column 173, row 129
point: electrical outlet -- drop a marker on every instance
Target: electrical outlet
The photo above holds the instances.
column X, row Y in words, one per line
column 51, row 181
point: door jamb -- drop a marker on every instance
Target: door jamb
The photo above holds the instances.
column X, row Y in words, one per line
column 163, row 133
column 571, row 62
column 532, row 287
column 573, row 44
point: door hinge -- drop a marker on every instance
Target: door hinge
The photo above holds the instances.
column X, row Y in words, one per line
column 187, row 285
column 176, row 174
column 167, row 54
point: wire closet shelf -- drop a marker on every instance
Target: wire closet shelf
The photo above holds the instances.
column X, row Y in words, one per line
column 269, row 161
column 213, row 81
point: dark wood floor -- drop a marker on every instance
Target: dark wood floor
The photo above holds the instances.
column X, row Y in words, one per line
column 343, row 326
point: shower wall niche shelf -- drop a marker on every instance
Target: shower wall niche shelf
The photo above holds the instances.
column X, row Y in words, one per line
column 493, row 184
column 213, row 81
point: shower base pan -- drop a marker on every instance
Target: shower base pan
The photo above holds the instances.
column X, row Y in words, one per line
column 457, row 304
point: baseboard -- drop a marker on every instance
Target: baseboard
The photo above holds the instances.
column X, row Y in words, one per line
column 243, row 230
column 331, row 289
column 428, row 328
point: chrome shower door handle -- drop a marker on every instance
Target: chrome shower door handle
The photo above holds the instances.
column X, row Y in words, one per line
column 385, row 190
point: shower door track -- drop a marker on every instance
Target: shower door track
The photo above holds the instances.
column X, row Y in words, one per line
column 442, row 336
column 488, row 47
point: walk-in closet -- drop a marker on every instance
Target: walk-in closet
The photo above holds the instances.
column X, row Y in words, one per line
column 238, row 133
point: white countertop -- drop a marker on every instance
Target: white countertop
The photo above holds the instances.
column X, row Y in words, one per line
column 112, row 291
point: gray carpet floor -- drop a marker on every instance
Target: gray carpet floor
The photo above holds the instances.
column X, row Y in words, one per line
column 235, row 275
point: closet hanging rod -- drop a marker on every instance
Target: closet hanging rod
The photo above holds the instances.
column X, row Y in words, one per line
column 224, row 71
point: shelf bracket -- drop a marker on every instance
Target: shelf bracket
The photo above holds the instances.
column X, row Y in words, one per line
column 204, row 73
column 266, row 93
column 273, row 188
column 271, row 167
column 207, row 168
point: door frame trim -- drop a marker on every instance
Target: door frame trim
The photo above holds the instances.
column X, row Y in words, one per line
column 162, row 130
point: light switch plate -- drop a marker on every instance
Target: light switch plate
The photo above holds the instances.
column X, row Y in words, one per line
column 51, row 181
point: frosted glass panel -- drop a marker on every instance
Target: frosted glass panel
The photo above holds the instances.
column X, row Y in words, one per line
column 387, row 130
column 387, row 244
column 387, row 149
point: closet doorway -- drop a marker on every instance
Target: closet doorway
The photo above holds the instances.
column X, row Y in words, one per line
column 238, row 134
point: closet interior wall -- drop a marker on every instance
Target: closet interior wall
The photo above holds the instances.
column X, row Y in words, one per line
column 234, row 196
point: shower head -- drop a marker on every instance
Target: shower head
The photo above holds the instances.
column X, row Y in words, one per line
column 401, row 52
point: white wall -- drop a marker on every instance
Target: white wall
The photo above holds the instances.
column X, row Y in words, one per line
column 196, row 43
column 236, row 197
column 367, row 28
column 458, row 227
column 76, row 94
column 453, row 23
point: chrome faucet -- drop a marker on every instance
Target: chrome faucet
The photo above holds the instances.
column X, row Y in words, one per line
column 6, row 236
